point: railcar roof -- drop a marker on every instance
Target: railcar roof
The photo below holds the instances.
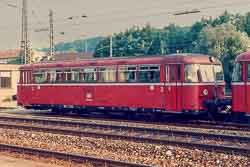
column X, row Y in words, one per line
column 243, row 57
column 172, row 58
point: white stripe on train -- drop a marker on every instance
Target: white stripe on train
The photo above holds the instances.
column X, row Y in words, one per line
column 124, row 84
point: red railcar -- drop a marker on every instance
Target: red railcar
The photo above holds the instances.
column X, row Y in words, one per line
column 241, row 84
column 171, row 83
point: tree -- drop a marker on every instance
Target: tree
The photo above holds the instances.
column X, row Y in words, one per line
column 247, row 23
column 225, row 43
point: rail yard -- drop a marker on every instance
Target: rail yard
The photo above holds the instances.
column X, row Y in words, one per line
column 122, row 143
column 125, row 83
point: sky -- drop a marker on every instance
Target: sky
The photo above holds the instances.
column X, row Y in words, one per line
column 104, row 17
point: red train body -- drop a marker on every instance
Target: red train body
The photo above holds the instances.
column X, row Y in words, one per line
column 171, row 83
column 241, row 84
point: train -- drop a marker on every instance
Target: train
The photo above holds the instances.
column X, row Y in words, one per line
column 241, row 84
column 175, row 83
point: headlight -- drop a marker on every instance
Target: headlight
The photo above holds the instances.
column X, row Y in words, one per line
column 205, row 92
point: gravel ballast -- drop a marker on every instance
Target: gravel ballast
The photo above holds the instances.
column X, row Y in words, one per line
column 151, row 154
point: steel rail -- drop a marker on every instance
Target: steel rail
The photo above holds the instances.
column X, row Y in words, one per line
column 191, row 124
column 68, row 156
column 127, row 128
column 208, row 147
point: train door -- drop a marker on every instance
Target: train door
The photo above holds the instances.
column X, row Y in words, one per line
column 173, row 76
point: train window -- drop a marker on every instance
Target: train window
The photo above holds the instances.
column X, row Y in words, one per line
column 76, row 75
column 59, row 76
column 52, row 74
column 107, row 74
column 68, row 75
column 219, row 75
column 149, row 73
column 89, row 75
column 248, row 72
column 207, row 73
column 40, row 77
column 237, row 74
column 127, row 73
column 191, row 72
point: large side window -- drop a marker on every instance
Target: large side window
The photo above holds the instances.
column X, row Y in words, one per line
column 76, row 75
column 40, row 76
column 88, row 75
column 149, row 73
column 68, row 75
column 59, row 76
column 5, row 79
column 127, row 73
column 52, row 76
column 107, row 74
column 237, row 74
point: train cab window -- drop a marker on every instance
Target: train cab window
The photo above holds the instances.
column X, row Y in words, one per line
column 40, row 77
column 219, row 74
column 207, row 73
column 89, row 75
column 237, row 74
column 127, row 73
column 191, row 73
column 107, row 74
column 149, row 73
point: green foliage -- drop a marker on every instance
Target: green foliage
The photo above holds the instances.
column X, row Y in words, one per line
column 16, row 60
column 76, row 46
column 224, row 37
column 225, row 43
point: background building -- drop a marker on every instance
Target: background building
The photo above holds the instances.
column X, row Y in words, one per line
column 9, row 76
column 9, row 56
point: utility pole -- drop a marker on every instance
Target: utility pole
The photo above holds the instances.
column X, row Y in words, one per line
column 111, row 47
column 51, row 37
column 25, row 53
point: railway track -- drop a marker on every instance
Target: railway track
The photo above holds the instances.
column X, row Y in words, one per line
column 202, row 140
column 172, row 120
column 169, row 122
column 67, row 156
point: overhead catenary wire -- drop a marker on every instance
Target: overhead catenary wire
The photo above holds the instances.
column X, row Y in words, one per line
column 94, row 20
column 114, row 20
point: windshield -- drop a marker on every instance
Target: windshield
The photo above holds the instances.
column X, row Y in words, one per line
column 203, row 73
column 219, row 74
column 191, row 72
column 207, row 74
column 237, row 74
